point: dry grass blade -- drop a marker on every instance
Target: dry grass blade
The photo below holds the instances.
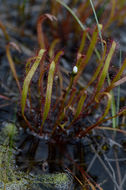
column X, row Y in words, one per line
column 111, row 129
column 4, row 97
column 11, row 63
column 4, row 31
column 121, row 81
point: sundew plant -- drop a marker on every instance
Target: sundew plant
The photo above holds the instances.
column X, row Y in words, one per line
column 52, row 106
column 66, row 88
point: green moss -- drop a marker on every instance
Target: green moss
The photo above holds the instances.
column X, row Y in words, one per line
column 60, row 181
column 13, row 179
column 58, row 178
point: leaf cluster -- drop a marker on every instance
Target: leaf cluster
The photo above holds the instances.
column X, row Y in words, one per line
column 60, row 106
column 53, row 101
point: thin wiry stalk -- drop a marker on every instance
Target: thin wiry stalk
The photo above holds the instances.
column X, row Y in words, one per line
column 123, row 181
column 119, row 177
column 105, row 167
column 80, row 23
column 118, row 92
column 98, row 25
column 113, row 106
column 94, row 157
column 83, row 133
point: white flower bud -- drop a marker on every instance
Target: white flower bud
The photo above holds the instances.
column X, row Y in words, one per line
column 100, row 26
column 75, row 69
